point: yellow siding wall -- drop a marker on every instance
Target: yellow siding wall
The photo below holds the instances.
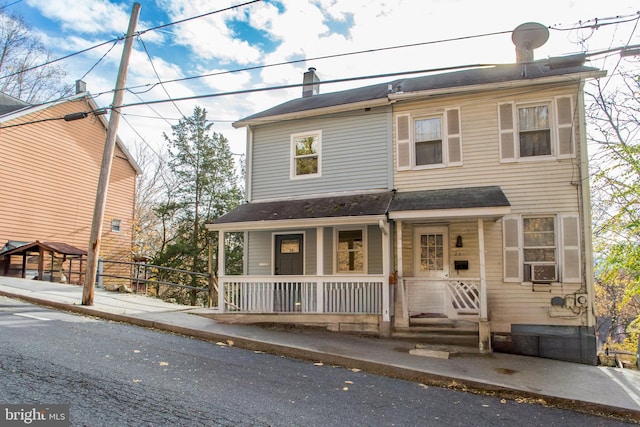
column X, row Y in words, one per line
column 536, row 186
column 48, row 179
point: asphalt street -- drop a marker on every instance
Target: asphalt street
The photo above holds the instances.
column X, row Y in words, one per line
column 117, row 374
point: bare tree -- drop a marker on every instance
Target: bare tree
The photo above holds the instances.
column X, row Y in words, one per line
column 613, row 116
column 21, row 54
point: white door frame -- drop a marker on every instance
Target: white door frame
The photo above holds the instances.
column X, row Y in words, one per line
column 427, row 292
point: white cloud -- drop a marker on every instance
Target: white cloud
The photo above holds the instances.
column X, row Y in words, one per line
column 210, row 37
column 296, row 29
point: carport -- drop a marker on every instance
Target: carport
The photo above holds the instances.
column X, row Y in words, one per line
column 43, row 261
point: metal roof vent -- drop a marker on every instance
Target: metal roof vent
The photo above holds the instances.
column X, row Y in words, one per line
column 527, row 37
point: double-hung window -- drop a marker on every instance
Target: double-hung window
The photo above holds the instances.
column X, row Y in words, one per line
column 351, row 256
column 305, row 154
column 541, row 248
column 428, row 140
column 536, row 130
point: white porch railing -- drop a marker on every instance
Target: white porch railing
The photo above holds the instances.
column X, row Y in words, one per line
column 301, row 294
column 464, row 295
column 461, row 296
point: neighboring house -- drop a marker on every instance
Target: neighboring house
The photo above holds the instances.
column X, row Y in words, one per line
column 49, row 176
column 469, row 189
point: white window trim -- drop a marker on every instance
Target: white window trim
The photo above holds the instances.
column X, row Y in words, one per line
column 443, row 126
column 561, row 247
column 556, row 246
column 411, row 141
column 553, row 140
column 554, row 126
column 292, row 154
column 365, row 252
column 116, row 225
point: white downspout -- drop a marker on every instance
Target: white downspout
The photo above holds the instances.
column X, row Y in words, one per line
column 249, row 164
column 586, row 208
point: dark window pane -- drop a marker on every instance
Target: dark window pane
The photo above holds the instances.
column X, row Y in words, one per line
column 428, row 153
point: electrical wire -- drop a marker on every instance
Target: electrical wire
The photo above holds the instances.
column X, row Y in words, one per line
column 124, row 37
column 144, row 46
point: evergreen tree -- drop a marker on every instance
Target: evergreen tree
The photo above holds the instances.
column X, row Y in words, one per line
column 205, row 186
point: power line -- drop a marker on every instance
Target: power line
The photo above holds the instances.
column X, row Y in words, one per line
column 61, row 58
column 123, row 37
column 182, row 21
column 157, row 75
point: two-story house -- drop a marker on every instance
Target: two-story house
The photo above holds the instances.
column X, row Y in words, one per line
column 51, row 158
column 448, row 199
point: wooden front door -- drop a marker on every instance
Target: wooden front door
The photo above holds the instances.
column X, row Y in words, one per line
column 289, row 259
column 427, row 296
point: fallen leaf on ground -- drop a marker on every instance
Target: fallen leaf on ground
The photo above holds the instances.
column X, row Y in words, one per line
column 164, row 364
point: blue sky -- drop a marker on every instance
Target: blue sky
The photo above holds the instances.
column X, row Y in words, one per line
column 274, row 31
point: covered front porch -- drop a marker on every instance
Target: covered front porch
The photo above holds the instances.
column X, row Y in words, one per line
column 441, row 257
column 319, row 261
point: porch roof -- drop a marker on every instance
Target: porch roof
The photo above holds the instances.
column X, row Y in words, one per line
column 311, row 210
column 454, row 202
column 55, row 247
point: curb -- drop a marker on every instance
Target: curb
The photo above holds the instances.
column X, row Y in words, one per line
column 377, row 368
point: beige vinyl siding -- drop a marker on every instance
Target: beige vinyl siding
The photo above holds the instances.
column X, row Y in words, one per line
column 49, row 176
column 532, row 186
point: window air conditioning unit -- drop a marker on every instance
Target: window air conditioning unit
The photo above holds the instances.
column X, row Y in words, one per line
column 544, row 273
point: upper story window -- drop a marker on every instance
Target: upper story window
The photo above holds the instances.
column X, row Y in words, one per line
column 305, row 154
column 426, row 141
column 536, row 130
column 350, row 257
column 428, row 134
column 115, row 225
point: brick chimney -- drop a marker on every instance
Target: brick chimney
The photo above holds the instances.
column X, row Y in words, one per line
column 310, row 81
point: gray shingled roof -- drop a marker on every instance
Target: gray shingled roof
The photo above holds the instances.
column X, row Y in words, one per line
column 9, row 104
column 368, row 204
column 320, row 207
column 454, row 198
column 456, row 79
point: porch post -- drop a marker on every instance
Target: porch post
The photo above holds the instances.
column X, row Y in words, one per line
column 221, row 270
column 320, row 269
column 403, row 318
column 484, row 326
column 384, row 227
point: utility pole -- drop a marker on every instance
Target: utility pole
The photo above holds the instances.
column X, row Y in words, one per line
column 107, row 159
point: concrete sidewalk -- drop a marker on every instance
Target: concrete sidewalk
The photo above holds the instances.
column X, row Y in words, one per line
column 600, row 390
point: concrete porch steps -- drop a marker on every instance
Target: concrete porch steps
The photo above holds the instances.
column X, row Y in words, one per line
column 439, row 331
